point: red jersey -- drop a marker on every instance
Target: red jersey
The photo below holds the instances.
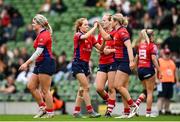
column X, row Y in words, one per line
column 83, row 48
column 145, row 51
column 106, row 59
column 44, row 40
column 120, row 37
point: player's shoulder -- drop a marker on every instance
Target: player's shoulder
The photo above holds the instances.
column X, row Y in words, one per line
column 112, row 32
column 78, row 34
column 45, row 33
column 123, row 31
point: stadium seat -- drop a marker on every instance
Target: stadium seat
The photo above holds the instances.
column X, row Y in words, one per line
column 4, row 97
column 26, row 97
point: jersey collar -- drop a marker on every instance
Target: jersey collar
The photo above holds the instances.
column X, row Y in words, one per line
column 42, row 30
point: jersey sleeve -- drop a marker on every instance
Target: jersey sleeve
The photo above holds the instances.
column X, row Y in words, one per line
column 43, row 40
column 124, row 35
column 154, row 50
column 78, row 36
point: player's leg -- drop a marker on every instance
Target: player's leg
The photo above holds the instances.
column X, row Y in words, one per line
column 143, row 95
column 33, row 86
column 84, row 83
column 120, row 79
column 78, row 102
column 101, row 79
column 150, row 83
column 126, row 111
column 45, row 84
column 112, row 93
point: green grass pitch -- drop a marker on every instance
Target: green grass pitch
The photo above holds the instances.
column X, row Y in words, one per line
column 69, row 118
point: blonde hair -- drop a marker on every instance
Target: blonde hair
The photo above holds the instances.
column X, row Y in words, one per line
column 42, row 20
column 121, row 19
column 146, row 33
column 79, row 23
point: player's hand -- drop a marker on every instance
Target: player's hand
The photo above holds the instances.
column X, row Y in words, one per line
column 96, row 24
column 132, row 65
column 159, row 75
column 23, row 67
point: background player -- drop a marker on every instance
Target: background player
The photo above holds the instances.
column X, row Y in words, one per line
column 146, row 60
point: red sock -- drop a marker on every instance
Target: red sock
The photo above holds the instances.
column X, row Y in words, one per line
column 126, row 111
column 77, row 109
column 130, row 102
column 139, row 100
column 42, row 104
column 106, row 97
column 148, row 111
column 111, row 105
column 89, row 108
column 49, row 110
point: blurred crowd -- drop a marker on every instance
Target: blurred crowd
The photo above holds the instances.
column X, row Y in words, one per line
column 10, row 20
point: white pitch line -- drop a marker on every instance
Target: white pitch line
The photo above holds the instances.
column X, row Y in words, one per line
column 89, row 121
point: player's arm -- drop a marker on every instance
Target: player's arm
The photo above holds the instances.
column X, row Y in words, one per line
column 108, row 51
column 105, row 35
column 136, row 59
column 90, row 32
column 128, row 45
column 156, row 64
column 36, row 54
column 100, row 47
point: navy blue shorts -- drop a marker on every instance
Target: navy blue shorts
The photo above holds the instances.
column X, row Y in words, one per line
column 79, row 66
column 145, row 73
column 47, row 66
column 107, row 67
column 167, row 90
column 123, row 66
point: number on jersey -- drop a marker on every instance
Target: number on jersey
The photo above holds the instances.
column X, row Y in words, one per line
column 142, row 54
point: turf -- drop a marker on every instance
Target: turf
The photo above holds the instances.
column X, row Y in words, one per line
column 70, row 118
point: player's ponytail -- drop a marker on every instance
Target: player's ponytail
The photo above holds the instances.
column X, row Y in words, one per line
column 42, row 20
column 146, row 35
column 48, row 27
column 125, row 21
column 78, row 23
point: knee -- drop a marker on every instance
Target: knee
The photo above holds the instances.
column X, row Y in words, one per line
column 31, row 87
column 119, row 87
column 84, row 90
column 45, row 91
column 99, row 89
column 111, row 90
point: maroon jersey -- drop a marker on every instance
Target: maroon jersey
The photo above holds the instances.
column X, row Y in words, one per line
column 44, row 40
column 83, row 48
column 145, row 51
column 120, row 37
column 106, row 59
